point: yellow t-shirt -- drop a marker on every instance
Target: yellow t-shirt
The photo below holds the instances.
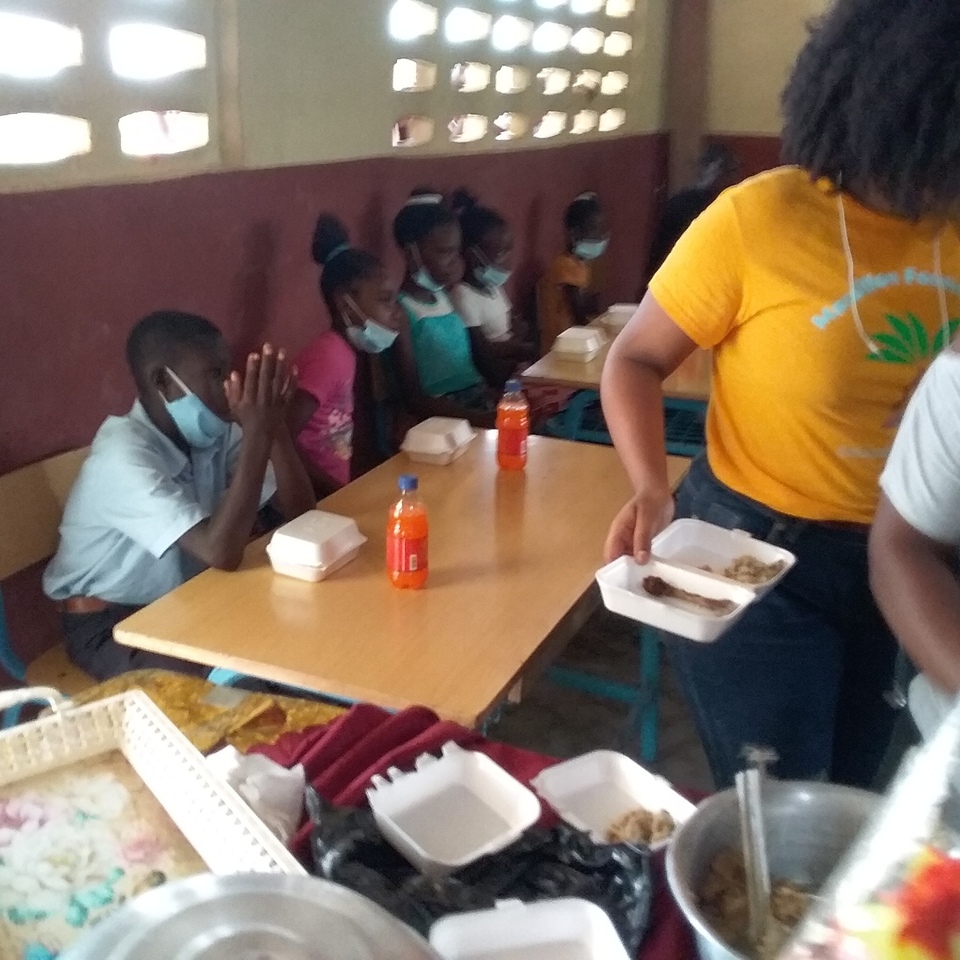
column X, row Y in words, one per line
column 802, row 413
column 553, row 310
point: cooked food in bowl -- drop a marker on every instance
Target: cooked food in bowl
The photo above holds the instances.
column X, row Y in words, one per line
column 749, row 570
column 641, row 826
column 661, row 589
column 723, row 899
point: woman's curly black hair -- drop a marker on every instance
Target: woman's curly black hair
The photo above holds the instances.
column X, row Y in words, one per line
column 873, row 103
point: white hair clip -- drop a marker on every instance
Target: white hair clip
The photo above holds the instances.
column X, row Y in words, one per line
column 589, row 195
column 423, row 199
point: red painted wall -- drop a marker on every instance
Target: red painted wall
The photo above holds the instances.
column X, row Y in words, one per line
column 756, row 153
column 80, row 266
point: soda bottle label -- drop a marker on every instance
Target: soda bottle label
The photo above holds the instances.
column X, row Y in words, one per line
column 512, row 443
column 407, row 555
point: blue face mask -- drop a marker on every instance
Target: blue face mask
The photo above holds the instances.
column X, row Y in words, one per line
column 590, row 249
column 487, row 274
column 371, row 337
column 198, row 424
column 422, row 277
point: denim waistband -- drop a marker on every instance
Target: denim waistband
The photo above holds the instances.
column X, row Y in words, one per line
column 702, row 486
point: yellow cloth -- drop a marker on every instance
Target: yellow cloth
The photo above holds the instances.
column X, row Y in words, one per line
column 553, row 309
column 801, row 414
column 191, row 703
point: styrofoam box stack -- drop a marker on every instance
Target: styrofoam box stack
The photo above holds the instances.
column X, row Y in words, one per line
column 451, row 810
column 314, row 545
column 680, row 555
column 593, row 791
column 579, row 343
column 563, row 929
column 438, row 441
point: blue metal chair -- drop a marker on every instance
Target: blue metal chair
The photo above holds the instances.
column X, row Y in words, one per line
column 222, row 677
column 580, row 420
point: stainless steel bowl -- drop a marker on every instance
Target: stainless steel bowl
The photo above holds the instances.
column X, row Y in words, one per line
column 809, row 827
column 250, row 917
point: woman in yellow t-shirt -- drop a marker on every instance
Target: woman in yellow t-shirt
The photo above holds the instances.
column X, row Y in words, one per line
column 824, row 290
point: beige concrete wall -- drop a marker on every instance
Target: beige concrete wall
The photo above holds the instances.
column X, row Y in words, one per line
column 753, row 45
column 307, row 81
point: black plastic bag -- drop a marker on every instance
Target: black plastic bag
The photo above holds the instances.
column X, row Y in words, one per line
column 348, row 849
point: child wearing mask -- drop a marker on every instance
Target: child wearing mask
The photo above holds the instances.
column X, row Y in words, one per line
column 563, row 297
column 173, row 486
column 445, row 369
column 333, row 415
column 480, row 298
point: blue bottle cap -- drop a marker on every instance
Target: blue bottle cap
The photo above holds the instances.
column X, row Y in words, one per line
column 408, row 482
column 513, row 386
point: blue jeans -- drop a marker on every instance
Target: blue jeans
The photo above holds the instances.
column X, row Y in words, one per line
column 808, row 668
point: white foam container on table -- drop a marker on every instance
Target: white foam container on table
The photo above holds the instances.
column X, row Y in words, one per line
column 451, row 810
column 579, row 343
column 438, row 441
column 563, row 929
column 618, row 316
column 314, row 545
column 622, row 592
column 693, row 544
column 593, row 791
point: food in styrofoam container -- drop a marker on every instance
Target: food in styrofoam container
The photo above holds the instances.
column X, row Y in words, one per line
column 314, row 545
column 438, row 441
column 595, row 791
column 579, row 343
column 451, row 810
column 618, row 316
column 564, row 929
column 622, row 590
column 731, row 555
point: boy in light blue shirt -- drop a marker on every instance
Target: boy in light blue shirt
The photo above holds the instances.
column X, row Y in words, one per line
column 174, row 486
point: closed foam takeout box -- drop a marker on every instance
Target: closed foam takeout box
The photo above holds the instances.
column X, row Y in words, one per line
column 618, row 316
column 438, row 441
column 563, row 929
column 579, row 343
column 314, row 545
column 696, row 558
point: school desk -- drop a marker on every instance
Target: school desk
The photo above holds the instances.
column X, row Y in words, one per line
column 690, row 381
column 512, row 559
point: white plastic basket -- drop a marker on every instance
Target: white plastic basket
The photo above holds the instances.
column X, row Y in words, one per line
column 213, row 818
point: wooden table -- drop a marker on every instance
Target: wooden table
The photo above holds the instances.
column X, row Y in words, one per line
column 512, row 559
column 690, row 381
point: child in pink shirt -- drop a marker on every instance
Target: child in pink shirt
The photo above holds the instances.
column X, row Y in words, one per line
column 332, row 413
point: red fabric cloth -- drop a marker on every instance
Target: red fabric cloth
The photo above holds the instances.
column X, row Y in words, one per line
column 341, row 758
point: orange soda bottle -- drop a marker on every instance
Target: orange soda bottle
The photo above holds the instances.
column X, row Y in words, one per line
column 407, row 538
column 513, row 427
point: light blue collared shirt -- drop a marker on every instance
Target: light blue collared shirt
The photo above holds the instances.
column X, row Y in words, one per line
column 136, row 496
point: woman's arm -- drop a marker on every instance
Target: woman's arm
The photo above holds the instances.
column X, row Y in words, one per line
column 648, row 350
column 914, row 581
column 419, row 402
column 492, row 367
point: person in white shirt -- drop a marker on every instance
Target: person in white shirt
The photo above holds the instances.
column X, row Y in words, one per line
column 480, row 298
column 915, row 540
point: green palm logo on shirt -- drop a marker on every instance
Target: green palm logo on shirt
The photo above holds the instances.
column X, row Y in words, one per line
column 909, row 342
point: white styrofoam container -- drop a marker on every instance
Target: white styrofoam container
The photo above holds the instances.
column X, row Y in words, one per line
column 693, row 544
column 618, row 316
column 622, row 591
column 579, row 343
column 451, row 810
column 438, row 441
column 567, row 929
column 314, row 545
column 593, row 791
